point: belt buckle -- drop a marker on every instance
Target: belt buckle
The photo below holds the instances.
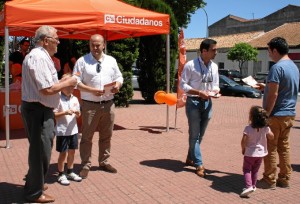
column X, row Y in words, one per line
column 103, row 102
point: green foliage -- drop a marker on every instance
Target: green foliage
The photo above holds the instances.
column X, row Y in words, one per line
column 242, row 52
column 2, row 2
column 184, row 9
column 152, row 57
column 126, row 52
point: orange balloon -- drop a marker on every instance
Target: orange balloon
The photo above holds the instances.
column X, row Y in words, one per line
column 170, row 99
column 159, row 97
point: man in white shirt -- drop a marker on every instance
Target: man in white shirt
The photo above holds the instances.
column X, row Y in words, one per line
column 40, row 95
column 95, row 71
column 200, row 81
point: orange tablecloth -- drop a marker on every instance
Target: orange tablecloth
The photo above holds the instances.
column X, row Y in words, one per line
column 15, row 118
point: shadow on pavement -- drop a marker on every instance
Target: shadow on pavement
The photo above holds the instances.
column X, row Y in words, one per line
column 228, row 183
column 167, row 164
column 137, row 101
column 11, row 193
column 296, row 167
column 150, row 129
column 53, row 172
column 155, row 129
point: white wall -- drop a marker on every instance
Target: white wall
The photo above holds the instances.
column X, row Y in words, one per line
column 262, row 56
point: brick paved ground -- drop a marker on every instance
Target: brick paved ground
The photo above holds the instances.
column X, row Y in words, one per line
column 150, row 161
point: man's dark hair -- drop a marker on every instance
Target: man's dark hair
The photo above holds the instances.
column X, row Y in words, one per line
column 205, row 44
column 24, row 40
column 280, row 45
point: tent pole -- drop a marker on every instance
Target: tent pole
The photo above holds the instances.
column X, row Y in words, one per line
column 7, row 108
column 168, row 74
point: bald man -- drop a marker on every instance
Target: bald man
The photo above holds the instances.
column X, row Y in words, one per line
column 95, row 70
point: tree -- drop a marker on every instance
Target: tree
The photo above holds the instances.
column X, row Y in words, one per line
column 126, row 52
column 184, row 9
column 152, row 54
column 242, row 52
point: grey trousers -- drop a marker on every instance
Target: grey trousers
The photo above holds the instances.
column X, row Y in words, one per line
column 39, row 125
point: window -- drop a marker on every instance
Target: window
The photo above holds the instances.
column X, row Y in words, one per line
column 256, row 67
column 221, row 65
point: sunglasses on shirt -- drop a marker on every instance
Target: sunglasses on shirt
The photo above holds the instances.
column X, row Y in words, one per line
column 98, row 67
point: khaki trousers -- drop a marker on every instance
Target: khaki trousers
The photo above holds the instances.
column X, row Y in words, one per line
column 280, row 126
column 96, row 117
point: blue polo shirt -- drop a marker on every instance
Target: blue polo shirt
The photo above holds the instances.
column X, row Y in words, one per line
column 286, row 74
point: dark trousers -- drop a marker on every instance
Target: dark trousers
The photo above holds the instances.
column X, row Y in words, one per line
column 39, row 125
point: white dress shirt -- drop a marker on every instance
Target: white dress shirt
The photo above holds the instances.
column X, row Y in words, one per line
column 196, row 75
column 85, row 67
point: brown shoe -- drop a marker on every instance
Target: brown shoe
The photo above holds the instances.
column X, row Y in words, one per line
column 282, row 183
column 264, row 184
column 45, row 187
column 108, row 168
column 84, row 172
column 44, row 198
column 200, row 171
column 189, row 162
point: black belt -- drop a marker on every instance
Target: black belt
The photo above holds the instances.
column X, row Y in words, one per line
column 98, row 102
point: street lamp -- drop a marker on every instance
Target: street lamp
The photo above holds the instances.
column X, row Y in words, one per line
column 206, row 22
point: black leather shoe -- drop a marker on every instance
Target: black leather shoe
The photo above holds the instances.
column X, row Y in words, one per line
column 108, row 168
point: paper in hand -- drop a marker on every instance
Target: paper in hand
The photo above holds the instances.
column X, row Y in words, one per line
column 108, row 88
column 250, row 81
column 214, row 94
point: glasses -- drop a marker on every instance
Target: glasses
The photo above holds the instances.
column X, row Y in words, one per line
column 56, row 39
column 98, row 68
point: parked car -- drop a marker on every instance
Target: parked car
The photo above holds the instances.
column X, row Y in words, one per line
column 134, row 79
column 229, row 87
column 261, row 77
column 233, row 74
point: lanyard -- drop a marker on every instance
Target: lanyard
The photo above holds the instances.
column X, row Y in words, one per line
column 207, row 78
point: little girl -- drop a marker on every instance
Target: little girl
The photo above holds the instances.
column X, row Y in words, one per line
column 254, row 146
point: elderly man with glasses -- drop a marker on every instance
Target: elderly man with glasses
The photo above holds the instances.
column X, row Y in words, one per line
column 40, row 95
column 200, row 81
column 99, row 79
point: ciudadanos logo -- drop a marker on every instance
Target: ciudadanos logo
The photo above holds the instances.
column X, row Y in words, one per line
column 109, row 18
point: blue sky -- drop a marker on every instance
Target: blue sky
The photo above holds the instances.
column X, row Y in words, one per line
column 218, row 9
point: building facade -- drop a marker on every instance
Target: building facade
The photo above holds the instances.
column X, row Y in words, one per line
column 230, row 31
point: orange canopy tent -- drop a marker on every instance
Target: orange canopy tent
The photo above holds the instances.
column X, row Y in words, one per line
column 79, row 20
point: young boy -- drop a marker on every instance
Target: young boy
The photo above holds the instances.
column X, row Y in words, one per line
column 66, row 132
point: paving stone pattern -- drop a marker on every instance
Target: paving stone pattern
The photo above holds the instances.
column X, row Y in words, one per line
column 150, row 161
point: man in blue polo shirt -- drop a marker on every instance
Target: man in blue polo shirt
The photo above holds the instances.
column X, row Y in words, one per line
column 281, row 92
